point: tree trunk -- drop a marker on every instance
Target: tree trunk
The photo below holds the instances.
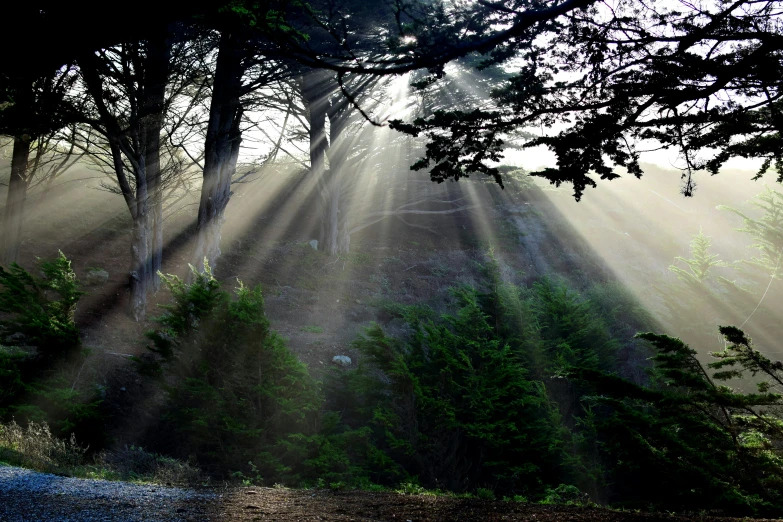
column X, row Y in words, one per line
column 17, row 193
column 330, row 216
column 157, row 239
column 344, row 234
column 139, row 264
column 157, row 66
column 221, row 150
column 138, row 141
column 337, row 238
column 318, row 90
column 315, row 94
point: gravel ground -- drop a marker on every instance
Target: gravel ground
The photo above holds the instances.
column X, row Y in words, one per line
column 29, row 496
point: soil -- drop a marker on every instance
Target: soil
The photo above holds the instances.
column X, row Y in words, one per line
column 257, row 504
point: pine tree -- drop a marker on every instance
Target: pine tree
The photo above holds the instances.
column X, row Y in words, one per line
column 701, row 297
column 764, row 269
column 766, row 231
column 700, row 265
column 234, row 390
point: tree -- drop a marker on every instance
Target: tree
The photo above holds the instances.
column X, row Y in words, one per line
column 221, row 147
column 35, row 110
column 355, row 143
column 455, row 404
column 251, row 36
column 127, row 85
column 691, row 78
column 330, row 150
column 766, row 231
column 234, row 390
column 763, row 270
column 701, row 297
column 50, row 159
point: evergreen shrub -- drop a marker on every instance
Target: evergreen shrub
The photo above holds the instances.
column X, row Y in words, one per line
column 41, row 342
column 453, row 404
column 39, row 311
column 234, row 390
column 686, row 441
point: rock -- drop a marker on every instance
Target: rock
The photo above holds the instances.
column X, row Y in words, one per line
column 314, row 244
column 96, row 276
column 341, row 360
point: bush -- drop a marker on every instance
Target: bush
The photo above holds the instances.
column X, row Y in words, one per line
column 565, row 494
column 135, row 464
column 485, row 494
column 42, row 343
column 235, row 392
column 40, row 310
column 453, row 404
column 572, row 333
column 35, row 447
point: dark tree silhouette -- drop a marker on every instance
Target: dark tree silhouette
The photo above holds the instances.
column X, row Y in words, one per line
column 127, row 85
column 36, row 108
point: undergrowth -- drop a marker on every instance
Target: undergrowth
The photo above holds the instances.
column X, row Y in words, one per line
column 35, row 447
column 39, row 346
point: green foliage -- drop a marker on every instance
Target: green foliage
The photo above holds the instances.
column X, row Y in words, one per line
column 740, row 357
column 766, row 232
column 336, row 454
column 263, row 19
column 573, row 335
column 41, row 309
column 410, row 488
column 12, row 382
column 688, row 441
column 235, row 392
column 453, row 404
column 134, row 464
column 39, row 326
column 55, row 401
column 702, row 297
column 619, row 309
column 485, row 494
column 565, row 494
column 312, row 329
column 700, row 265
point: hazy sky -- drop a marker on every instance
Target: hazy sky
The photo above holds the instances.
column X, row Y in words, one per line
column 543, row 157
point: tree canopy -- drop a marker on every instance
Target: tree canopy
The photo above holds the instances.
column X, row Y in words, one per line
column 608, row 79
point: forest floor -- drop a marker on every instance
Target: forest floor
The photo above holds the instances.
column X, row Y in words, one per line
column 28, row 495
column 284, row 505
